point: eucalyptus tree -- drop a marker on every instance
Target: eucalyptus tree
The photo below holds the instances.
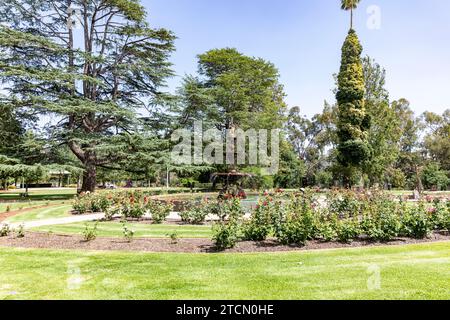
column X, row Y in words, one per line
column 89, row 65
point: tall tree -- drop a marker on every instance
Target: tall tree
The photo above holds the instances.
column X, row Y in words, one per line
column 353, row 120
column 244, row 91
column 385, row 130
column 437, row 140
column 350, row 5
column 93, row 81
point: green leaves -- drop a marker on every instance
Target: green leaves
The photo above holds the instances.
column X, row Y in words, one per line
column 353, row 121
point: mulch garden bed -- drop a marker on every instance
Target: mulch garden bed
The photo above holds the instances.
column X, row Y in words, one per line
column 76, row 242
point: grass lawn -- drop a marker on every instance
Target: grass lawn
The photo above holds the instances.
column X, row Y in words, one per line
column 115, row 229
column 57, row 211
column 406, row 272
column 40, row 194
column 19, row 205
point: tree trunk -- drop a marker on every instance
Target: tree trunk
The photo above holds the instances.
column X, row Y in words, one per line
column 351, row 18
column 89, row 177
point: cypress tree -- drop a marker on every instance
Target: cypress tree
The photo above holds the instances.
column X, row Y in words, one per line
column 353, row 121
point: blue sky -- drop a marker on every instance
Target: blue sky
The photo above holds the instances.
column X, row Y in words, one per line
column 303, row 39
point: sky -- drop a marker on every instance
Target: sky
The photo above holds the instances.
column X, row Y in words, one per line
column 303, row 38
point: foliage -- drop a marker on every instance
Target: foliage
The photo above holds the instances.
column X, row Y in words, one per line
column 173, row 237
column 159, row 210
column 416, row 222
column 259, row 226
column 20, row 231
column 434, row 177
column 197, row 213
column 347, row 229
column 353, row 120
column 225, row 234
column 89, row 233
column 5, row 230
column 129, row 204
column 127, row 233
column 95, row 90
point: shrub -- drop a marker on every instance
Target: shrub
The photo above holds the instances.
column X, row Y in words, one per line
column 80, row 205
column 127, row 233
column 8, row 208
column 89, row 233
column 133, row 210
column 173, row 237
column 225, row 235
column 439, row 215
column 112, row 211
column 159, row 211
column 293, row 231
column 197, row 214
column 381, row 221
column 259, row 227
column 326, row 231
column 347, row 230
column 5, row 230
column 230, row 209
column 416, row 223
column 344, row 203
column 20, row 231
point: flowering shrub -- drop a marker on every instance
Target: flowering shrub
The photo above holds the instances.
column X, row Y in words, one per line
column 347, row 230
column 259, row 227
column 439, row 214
column 198, row 213
column 416, row 222
column 381, row 221
column 128, row 204
column 225, row 234
column 159, row 210
column 5, row 230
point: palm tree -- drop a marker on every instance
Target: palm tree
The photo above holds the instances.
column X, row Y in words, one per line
column 350, row 5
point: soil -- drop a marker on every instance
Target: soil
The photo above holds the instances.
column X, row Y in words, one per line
column 76, row 242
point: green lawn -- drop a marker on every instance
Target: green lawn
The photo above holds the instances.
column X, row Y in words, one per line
column 39, row 194
column 22, row 205
column 57, row 211
column 406, row 272
column 115, row 229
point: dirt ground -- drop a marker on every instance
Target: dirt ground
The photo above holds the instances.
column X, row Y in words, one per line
column 76, row 242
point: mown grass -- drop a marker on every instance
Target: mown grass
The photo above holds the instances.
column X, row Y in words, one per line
column 115, row 229
column 57, row 211
column 405, row 272
column 39, row 194
column 19, row 205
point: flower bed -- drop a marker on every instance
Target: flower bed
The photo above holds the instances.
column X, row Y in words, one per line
column 128, row 204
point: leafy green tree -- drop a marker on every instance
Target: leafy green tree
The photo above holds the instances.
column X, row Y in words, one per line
column 384, row 131
column 410, row 160
column 437, row 140
column 292, row 168
column 350, row 5
column 353, row 120
column 435, row 178
column 237, row 91
column 95, row 82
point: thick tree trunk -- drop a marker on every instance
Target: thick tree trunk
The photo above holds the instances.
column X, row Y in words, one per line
column 89, row 177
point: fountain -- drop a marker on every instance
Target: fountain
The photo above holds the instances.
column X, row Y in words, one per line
column 232, row 184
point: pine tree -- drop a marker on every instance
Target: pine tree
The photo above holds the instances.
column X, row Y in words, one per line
column 353, row 121
column 91, row 65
